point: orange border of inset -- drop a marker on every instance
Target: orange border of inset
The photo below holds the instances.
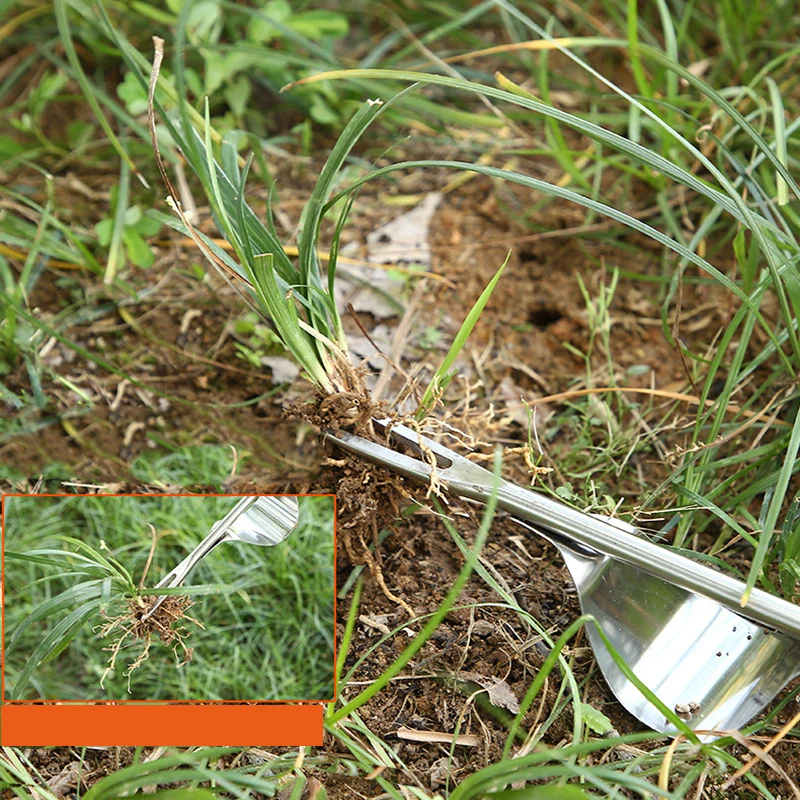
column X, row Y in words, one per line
column 179, row 723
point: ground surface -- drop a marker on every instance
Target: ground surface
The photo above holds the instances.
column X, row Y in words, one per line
column 193, row 389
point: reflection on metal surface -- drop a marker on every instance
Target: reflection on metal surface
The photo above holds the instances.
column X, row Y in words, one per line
column 713, row 667
column 268, row 521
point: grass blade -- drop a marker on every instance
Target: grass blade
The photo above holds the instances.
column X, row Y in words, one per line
column 441, row 379
column 60, row 8
column 58, row 638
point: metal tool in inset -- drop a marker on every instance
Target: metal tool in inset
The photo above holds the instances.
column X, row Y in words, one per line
column 261, row 520
column 678, row 624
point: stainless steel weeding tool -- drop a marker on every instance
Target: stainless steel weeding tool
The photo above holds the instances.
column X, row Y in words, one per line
column 679, row 625
column 260, row 520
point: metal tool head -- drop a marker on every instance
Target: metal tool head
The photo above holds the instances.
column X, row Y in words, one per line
column 674, row 622
column 263, row 520
column 712, row 667
column 448, row 465
column 267, row 522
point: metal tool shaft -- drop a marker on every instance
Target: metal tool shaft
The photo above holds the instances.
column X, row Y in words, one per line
column 459, row 476
column 217, row 535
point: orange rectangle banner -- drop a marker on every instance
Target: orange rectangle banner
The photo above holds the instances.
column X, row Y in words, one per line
column 153, row 725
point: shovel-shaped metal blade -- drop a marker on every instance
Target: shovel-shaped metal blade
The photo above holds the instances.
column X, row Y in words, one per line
column 714, row 668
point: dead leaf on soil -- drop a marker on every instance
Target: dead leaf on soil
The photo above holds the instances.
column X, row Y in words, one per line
column 498, row 690
column 282, row 369
column 441, row 771
column 376, row 622
column 367, row 348
column 404, row 240
column 66, row 781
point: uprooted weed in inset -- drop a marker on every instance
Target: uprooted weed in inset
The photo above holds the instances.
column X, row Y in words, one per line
column 164, row 623
column 269, row 608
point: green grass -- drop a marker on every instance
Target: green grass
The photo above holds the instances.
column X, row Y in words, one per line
column 773, row 237
column 199, row 769
column 718, row 150
column 72, row 564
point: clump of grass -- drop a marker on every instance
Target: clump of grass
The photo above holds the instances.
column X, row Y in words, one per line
column 295, row 300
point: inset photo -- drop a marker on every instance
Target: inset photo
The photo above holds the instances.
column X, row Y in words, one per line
column 168, row 597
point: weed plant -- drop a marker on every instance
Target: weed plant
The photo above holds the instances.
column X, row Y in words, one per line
column 299, row 300
column 260, row 627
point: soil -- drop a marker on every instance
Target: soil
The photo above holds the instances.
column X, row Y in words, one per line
column 187, row 386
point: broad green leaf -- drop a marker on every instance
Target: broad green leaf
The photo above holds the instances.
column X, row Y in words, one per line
column 133, row 94
column 11, row 147
column 202, row 19
column 137, row 249
column 148, row 227
column 321, row 112
column 103, row 230
column 595, row 720
column 132, row 215
column 237, row 95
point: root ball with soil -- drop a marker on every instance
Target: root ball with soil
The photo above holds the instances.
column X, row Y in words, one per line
column 131, row 626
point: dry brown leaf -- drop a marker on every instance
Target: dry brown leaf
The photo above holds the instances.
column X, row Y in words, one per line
column 413, row 735
column 498, row 690
column 66, row 781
